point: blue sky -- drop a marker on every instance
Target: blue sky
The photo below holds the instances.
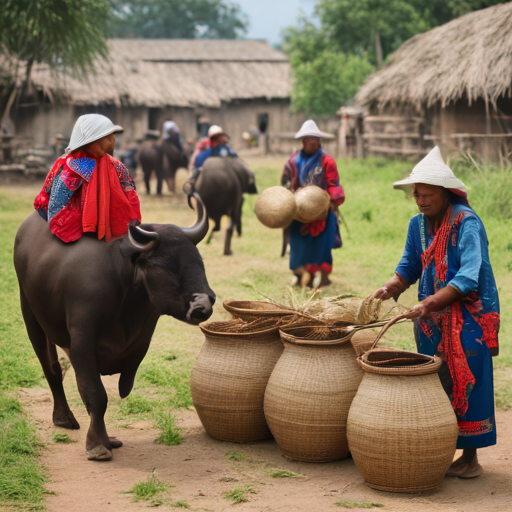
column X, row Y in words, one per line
column 268, row 17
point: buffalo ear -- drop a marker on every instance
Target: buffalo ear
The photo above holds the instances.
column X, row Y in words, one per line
column 138, row 240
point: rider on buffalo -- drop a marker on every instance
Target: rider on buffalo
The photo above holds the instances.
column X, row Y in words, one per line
column 87, row 189
column 218, row 145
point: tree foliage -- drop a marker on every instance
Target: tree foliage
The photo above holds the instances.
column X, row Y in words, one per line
column 60, row 33
column 354, row 25
column 64, row 34
column 330, row 59
column 177, row 19
column 330, row 80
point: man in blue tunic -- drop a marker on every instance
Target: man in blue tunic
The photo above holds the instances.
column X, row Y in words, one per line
column 458, row 314
column 218, row 146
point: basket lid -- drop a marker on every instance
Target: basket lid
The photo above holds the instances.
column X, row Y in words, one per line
column 387, row 361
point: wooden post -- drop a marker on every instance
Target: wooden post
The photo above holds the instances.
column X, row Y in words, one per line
column 342, row 134
column 487, row 142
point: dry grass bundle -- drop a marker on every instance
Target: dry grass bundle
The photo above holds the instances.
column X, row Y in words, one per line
column 275, row 208
column 343, row 309
column 312, row 204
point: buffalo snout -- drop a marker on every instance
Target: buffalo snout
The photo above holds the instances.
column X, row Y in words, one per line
column 201, row 308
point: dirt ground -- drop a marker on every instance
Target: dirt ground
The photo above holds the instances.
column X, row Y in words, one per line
column 201, row 473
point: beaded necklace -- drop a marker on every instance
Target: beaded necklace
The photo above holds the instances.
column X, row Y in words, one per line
column 437, row 251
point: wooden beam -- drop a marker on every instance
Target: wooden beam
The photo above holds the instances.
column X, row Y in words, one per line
column 392, row 119
column 391, row 136
column 480, row 135
column 396, row 151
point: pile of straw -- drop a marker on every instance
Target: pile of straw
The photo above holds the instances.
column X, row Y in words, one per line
column 343, row 309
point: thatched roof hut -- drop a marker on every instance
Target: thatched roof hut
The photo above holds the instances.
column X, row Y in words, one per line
column 457, row 77
column 243, row 85
column 179, row 73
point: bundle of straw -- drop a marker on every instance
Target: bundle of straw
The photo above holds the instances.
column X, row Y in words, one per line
column 343, row 309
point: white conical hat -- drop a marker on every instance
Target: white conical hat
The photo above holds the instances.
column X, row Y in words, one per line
column 91, row 127
column 432, row 171
column 310, row 129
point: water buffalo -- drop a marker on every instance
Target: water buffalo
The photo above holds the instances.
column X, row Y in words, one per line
column 221, row 185
column 163, row 157
column 100, row 302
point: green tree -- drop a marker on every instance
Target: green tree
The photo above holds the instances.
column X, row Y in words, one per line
column 177, row 19
column 379, row 27
column 64, row 34
column 330, row 80
column 330, row 59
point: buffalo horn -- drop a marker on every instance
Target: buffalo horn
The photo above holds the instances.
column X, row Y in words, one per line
column 141, row 240
column 199, row 230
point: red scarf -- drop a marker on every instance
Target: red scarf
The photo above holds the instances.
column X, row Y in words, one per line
column 107, row 209
column 450, row 320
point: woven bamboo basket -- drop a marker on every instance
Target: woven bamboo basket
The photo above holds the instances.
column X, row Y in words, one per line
column 249, row 310
column 401, row 427
column 229, row 378
column 363, row 340
column 309, row 393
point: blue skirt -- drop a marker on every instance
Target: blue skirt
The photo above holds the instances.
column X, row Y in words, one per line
column 312, row 250
column 477, row 428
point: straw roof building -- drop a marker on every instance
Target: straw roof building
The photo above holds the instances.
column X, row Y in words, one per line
column 450, row 86
column 238, row 84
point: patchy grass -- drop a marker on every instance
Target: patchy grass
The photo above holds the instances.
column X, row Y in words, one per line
column 239, row 495
column 62, row 438
column 377, row 217
column 136, row 404
column 148, row 490
column 181, row 504
column 354, row 504
column 284, row 473
column 170, row 434
column 236, row 456
column 22, row 479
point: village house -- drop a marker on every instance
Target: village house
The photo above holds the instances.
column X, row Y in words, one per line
column 242, row 85
column 450, row 87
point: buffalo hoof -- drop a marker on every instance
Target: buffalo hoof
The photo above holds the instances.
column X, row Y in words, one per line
column 228, row 253
column 99, row 453
column 115, row 443
column 66, row 420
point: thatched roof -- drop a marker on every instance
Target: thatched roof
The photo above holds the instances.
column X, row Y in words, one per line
column 174, row 72
column 470, row 57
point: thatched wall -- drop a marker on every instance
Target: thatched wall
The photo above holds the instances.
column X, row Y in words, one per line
column 457, row 78
column 468, row 57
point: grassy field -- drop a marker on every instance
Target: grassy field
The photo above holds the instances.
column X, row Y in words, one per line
column 377, row 217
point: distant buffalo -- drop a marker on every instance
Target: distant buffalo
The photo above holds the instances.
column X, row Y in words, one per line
column 163, row 157
column 221, row 185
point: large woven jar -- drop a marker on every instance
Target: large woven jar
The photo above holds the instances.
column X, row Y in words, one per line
column 309, row 394
column 402, row 430
column 229, row 378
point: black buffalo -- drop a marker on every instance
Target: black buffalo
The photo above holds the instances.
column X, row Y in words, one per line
column 100, row 302
column 221, row 185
